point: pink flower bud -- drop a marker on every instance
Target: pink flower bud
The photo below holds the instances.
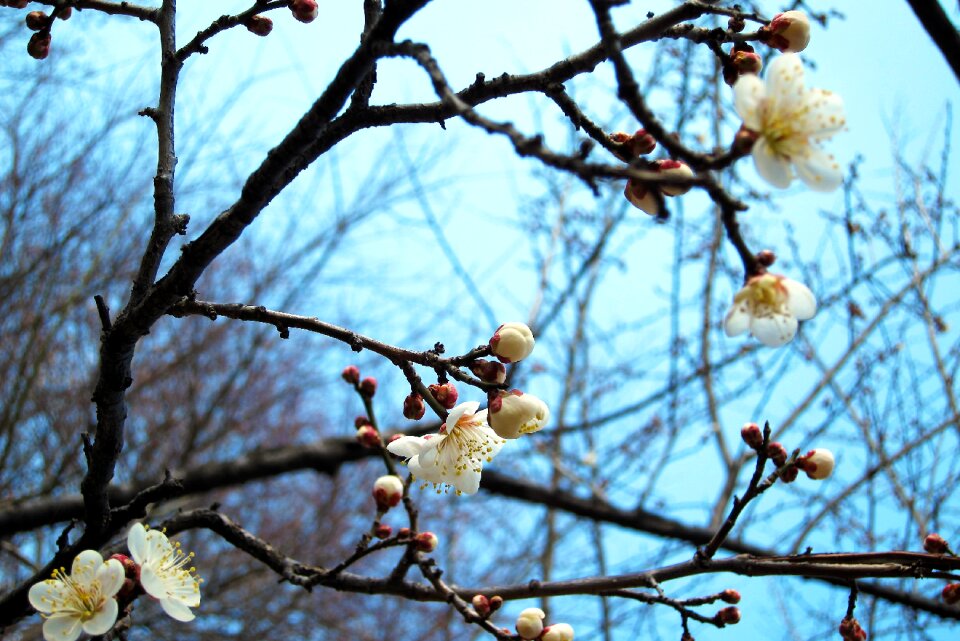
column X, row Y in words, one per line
column 262, row 26
column 403, row 532
column 512, row 342
column 777, row 453
column 387, row 492
column 39, row 45
column 489, row 371
column 951, row 593
column 788, row 31
column 37, row 20
column 413, row 407
column 766, row 257
column 513, row 413
column 304, row 10
column 818, row 464
column 426, row 541
column 751, row 435
column 445, row 394
column 481, row 604
column 557, row 632
column 936, row 544
column 382, row 531
column 530, row 623
column 634, row 146
column 368, row 387
column 368, row 436
column 746, row 60
column 728, row 616
column 360, row 421
column 674, row 169
column 351, row 374
column 730, row 596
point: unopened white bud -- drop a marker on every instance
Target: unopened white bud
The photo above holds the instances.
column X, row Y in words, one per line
column 530, row 623
column 387, row 491
column 788, row 31
column 512, row 342
column 818, row 464
column 514, row 413
column 558, row 632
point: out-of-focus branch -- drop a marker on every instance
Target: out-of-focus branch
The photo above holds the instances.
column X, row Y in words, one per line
column 940, row 29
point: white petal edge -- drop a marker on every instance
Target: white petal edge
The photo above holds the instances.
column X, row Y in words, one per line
column 785, row 91
column 407, row 446
column 49, row 589
column 137, row 542
column 467, row 481
column 818, row 170
column 801, row 302
column 61, row 627
column 85, row 566
column 111, row 576
column 103, row 620
column 771, row 167
column 737, row 320
column 825, row 117
column 177, row 610
column 748, row 92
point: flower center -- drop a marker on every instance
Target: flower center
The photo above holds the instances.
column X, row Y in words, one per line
column 764, row 295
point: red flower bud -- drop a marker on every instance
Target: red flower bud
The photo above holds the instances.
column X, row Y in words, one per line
column 37, row 20
column 368, row 436
column 777, row 453
column 39, row 45
column 368, row 387
column 751, row 435
column 789, row 474
column 730, row 596
column 481, row 604
column 351, row 374
column 445, row 394
column 382, row 531
column 360, row 421
column 489, row 371
column 403, row 532
column 304, row 10
column 413, row 407
column 262, row 26
column 426, row 541
column 936, row 544
column 728, row 616
column 951, row 593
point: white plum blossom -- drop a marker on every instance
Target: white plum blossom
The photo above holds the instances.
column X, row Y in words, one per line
column 163, row 571
column 82, row 600
column 454, row 456
column 769, row 306
column 787, row 121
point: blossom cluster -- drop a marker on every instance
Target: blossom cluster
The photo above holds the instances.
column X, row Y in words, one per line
column 88, row 598
column 470, row 436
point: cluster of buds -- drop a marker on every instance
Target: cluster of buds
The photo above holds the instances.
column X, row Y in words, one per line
column 818, row 464
column 649, row 198
column 484, row 606
column 850, row 630
column 743, row 59
column 387, row 492
column 788, row 32
column 530, row 626
column 259, row 25
column 304, row 10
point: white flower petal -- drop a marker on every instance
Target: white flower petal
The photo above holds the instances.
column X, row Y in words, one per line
column 407, row 446
column 468, row 481
column 737, row 320
column 785, row 90
column 43, row 595
column 801, row 302
column 104, row 619
column 748, row 95
column 137, row 542
column 152, row 582
column 818, row 170
column 774, row 330
column 177, row 610
column 468, row 408
column 85, row 566
column 824, row 116
column 772, row 167
column 61, row 627
column 111, row 576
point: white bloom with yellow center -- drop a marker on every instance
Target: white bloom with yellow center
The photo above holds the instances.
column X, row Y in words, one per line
column 788, row 120
column 82, row 600
column 769, row 306
column 163, row 571
column 455, row 456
